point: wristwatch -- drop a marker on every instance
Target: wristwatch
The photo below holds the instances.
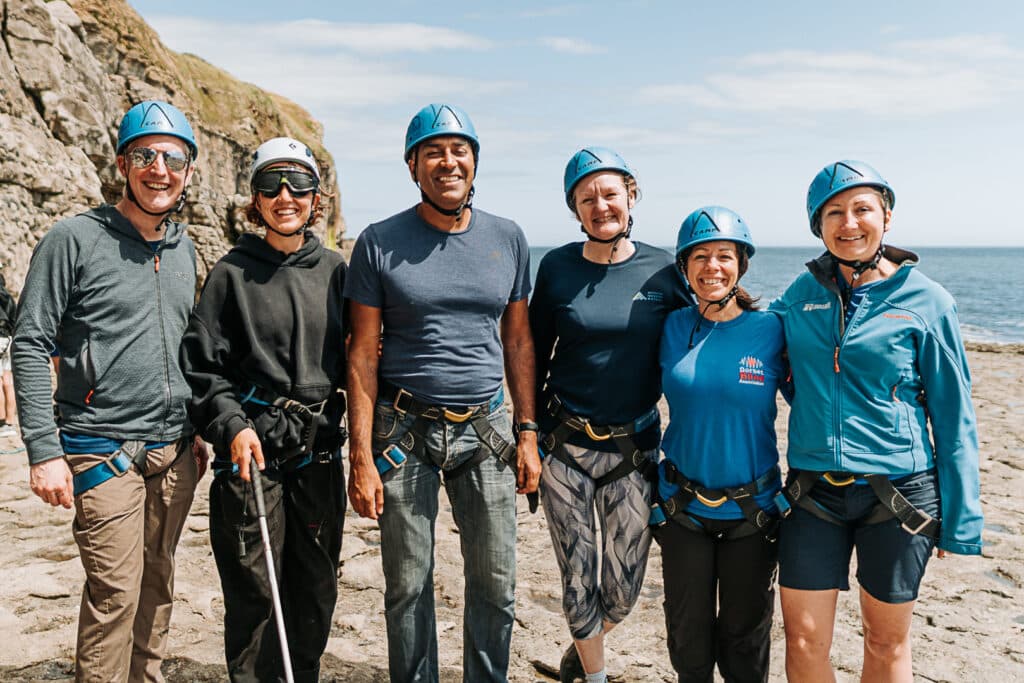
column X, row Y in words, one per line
column 527, row 427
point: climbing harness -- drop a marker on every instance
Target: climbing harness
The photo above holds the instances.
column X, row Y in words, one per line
column 621, row 435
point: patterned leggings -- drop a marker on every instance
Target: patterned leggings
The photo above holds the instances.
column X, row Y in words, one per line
column 623, row 508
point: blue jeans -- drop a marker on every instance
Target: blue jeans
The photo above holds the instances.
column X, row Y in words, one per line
column 483, row 505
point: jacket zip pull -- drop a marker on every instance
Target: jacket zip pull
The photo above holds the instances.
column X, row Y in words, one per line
column 835, row 360
column 156, row 263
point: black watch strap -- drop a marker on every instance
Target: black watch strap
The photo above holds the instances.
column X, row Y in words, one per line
column 527, row 427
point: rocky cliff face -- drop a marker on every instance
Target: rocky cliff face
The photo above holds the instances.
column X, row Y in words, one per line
column 69, row 71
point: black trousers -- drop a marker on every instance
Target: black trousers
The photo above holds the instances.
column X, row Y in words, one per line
column 739, row 575
column 305, row 518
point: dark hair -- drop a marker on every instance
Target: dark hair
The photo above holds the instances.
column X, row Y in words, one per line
column 746, row 301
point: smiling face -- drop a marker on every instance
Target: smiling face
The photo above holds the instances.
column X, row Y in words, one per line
column 286, row 213
column 444, row 167
column 156, row 188
column 853, row 223
column 602, row 203
column 713, row 269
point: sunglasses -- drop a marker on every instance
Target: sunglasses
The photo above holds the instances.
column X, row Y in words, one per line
column 144, row 157
column 269, row 183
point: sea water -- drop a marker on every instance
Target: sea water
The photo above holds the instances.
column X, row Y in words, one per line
column 987, row 283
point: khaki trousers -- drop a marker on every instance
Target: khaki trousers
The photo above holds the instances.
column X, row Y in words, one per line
column 127, row 529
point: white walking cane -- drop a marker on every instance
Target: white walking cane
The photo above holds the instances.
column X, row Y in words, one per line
column 261, row 511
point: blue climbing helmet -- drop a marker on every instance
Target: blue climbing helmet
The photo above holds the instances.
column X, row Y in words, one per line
column 591, row 160
column 838, row 177
column 710, row 224
column 153, row 117
column 435, row 120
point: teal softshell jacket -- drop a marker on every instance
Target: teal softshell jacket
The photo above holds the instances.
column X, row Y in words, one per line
column 865, row 393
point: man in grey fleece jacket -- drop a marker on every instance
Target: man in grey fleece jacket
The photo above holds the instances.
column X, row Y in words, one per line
column 114, row 287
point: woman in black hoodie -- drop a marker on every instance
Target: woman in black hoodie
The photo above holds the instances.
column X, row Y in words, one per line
column 265, row 356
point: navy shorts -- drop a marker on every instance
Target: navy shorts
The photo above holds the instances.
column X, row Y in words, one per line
column 815, row 554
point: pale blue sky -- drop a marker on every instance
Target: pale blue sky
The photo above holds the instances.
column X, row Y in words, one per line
column 729, row 103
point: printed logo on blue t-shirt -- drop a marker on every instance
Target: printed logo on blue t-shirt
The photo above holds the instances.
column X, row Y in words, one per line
column 751, row 371
column 652, row 296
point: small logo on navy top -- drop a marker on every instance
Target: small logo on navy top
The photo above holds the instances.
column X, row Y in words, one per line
column 751, row 371
column 654, row 297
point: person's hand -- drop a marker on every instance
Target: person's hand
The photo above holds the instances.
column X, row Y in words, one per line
column 365, row 489
column 527, row 463
column 941, row 554
column 244, row 446
column 202, row 455
column 52, row 481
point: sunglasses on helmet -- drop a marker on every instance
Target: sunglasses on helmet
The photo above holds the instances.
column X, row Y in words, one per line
column 144, row 157
column 269, row 183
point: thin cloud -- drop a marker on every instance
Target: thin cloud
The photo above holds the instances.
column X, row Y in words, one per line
column 314, row 33
column 573, row 46
column 910, row 78
column 332, row 66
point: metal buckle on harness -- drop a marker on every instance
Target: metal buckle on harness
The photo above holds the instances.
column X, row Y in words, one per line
column 927, row 519
column 115, row 470
column 827, row 476
column 711, row 503
column 398, row 397
column 458, row 417
column 596, row 437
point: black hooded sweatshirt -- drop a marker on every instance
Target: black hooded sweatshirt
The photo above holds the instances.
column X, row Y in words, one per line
column 275, row 321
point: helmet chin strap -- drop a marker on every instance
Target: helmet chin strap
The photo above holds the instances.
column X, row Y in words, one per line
column 178, row 206
column 293, row 233
column 720, row 303
column 613, row 238
column 467, row 203
column 860, row 267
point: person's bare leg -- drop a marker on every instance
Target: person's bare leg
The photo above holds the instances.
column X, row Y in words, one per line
column 809, row 618
column 10, row 414
column 887, row 656
column 592, row 650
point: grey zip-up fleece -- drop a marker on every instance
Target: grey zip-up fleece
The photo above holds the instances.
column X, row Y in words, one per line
column 117, row 310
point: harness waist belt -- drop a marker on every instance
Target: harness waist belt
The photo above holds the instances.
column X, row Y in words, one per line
column 120, row 461
column 289, row 465
column 632, row 457
column 307, row 412
column 413, row 440
column 891, row 504
column 404, row 402
column 755, row 517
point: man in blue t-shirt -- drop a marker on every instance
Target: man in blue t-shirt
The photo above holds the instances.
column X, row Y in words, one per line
column 448, row 285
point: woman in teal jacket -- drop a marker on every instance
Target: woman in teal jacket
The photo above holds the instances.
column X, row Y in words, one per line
column 876, row 358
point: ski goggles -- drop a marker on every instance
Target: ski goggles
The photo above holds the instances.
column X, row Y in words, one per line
column 269, row 183
column 144, row 157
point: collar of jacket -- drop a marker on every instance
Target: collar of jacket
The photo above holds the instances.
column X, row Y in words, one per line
column 823, row 267
column 108, row 216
